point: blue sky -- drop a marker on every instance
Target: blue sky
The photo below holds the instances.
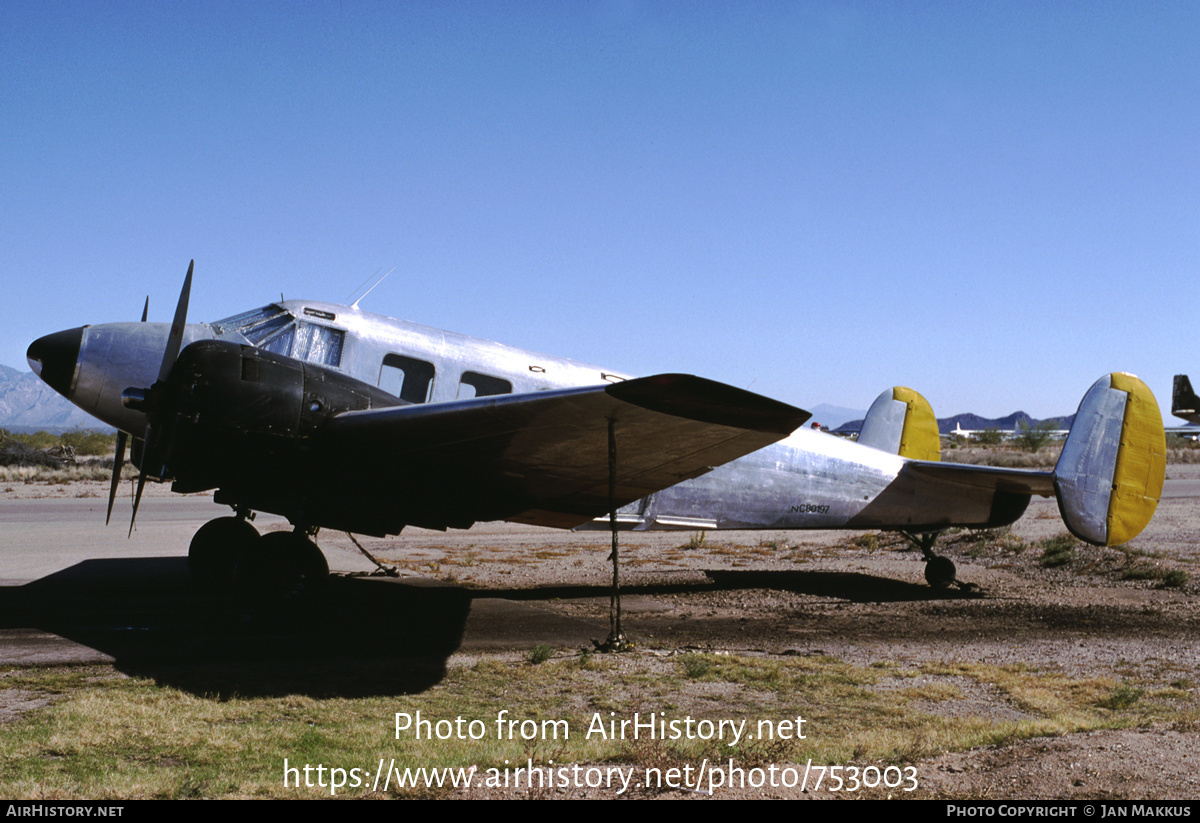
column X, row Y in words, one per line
column 993, row 203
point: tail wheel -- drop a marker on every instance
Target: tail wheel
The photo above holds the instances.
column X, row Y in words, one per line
column 217, row 547
column 940, row 572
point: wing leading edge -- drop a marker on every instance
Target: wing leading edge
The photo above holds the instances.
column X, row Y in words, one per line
column 1017, row 481
column 543, row 458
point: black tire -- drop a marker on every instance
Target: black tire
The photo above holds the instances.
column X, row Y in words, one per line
column 940, row 572
column 282, row 566
column 217, row 547
column 312, row 568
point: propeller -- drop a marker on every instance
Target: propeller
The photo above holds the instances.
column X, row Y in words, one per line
column 118, row 464
column 122, row 439
column 150, row 400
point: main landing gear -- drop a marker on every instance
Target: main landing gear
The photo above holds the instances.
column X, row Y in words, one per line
column 217, row 548
column 229, row 552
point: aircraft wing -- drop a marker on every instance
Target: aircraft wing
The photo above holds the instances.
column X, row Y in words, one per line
column 543, row 458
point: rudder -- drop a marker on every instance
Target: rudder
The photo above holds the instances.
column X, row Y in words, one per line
column 1110, row 475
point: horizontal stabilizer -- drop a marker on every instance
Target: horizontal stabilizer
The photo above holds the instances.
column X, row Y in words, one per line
column 1014, row 481
column 931, row 495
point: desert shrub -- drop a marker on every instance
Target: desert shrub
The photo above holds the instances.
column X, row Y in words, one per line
column 1032, row 438
column 1058, row 550
column 989, row 437
column 1174, row 579
column 89, row 443
column 540, row 654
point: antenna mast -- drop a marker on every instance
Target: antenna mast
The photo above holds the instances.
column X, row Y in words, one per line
column 354, row 305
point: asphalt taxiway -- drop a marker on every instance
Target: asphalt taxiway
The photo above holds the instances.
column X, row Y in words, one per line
column 73, row 590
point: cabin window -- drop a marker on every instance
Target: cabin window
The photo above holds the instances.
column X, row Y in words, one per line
column 406, row 377
column 318, row 344
column 474, row 384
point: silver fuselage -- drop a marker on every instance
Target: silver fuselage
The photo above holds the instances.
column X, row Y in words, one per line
column 810, row 480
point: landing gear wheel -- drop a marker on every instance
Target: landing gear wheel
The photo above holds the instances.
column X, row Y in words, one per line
column 940, row 572
column 216, row 548
column 284, row 565
column 305, row 568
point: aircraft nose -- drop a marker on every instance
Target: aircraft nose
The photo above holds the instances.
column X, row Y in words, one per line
column 54, row 358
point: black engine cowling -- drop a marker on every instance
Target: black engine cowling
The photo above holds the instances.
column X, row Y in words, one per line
column 240, row 419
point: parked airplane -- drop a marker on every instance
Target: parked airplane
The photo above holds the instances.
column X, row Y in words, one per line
column 1184, row 402
column 965, row 434
column 1005, row 434
column 339, row 418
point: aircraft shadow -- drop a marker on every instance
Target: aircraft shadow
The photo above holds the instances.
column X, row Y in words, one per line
column 363, row 637
column 852, row 586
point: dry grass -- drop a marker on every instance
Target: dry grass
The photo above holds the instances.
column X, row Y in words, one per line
column 61, row 475
column 1183, row 455
column 109, row 736
column 1008, row 457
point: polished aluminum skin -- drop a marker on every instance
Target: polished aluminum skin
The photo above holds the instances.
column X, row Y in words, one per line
column 808, row 480
column 884, row 424
column 1085, row 491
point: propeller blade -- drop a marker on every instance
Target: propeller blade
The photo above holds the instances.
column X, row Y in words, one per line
column 122, row 439
column 137, row 498
column 152, row 455
column 118, row 464
column 177, row 326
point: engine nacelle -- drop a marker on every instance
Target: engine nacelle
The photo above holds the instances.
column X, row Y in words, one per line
column 239, row 418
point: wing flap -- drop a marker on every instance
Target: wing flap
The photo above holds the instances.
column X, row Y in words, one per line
column 543, row 457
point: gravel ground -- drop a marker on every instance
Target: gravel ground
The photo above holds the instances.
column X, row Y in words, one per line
column 811, row 592
column 865, row 602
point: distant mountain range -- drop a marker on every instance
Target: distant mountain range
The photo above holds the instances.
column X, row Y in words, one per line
column 28, row 404
column 1014, row 421
column 973, row 422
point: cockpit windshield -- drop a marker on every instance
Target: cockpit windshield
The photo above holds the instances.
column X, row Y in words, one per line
column 277, row 330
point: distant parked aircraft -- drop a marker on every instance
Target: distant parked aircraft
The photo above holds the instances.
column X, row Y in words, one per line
column 1184, row 402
